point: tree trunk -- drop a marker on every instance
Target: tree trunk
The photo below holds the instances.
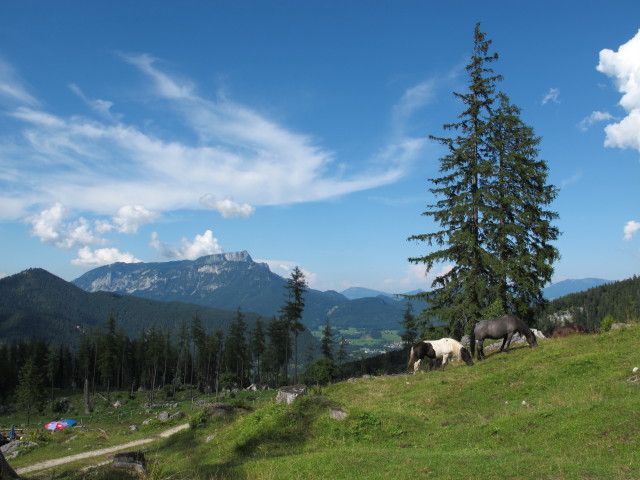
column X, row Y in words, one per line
column 87, row 402
column 6, row 471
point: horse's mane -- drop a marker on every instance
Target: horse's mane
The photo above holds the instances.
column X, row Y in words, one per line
column 523, row 328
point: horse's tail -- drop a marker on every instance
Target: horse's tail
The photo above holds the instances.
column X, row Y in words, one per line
column 472, row 341
column 410, row 359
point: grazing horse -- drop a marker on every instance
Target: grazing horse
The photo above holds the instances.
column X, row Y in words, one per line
column 503, row 327
column 435, row 350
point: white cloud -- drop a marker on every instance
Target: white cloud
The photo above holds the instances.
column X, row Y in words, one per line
column 623, row 67
column 201, row 245
column 416, row 277
column 285, row 267
column 551, row 96
column 131, row 217
column 11, row 87
column 45, row 225
column 102, row 107
column 49, row 226
column 413, row 99
column 227, row 207
column 631, row 229
column 595, row 117
column 102, row 256
column 220, row 146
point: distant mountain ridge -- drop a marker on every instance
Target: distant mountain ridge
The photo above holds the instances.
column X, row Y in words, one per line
column 567, row 287
column 556, row 290
column 233, row 280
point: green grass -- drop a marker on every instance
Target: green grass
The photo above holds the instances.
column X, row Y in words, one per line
column 568, row 409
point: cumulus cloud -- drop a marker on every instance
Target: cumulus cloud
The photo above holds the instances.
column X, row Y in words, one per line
column 131, row 217
column 595, row 117
column 45, row 224
column 553, row 95
column 623, row 67
column 49, row 226
column 201, row 245
column 630, row 230
column 227, row 207
column 102, row 256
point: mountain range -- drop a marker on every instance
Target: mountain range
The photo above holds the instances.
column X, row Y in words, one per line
column 36, row 303
column 556, row 290
column 213, row 287
column 233, row 280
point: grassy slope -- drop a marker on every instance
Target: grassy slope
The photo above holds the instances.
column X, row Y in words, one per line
column 564, row 410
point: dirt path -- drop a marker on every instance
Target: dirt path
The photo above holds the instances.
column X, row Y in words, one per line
column 102, row 451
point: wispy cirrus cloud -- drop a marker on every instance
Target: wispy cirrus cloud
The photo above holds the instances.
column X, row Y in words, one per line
column 240, row 154
column 77, row 178
column 553, row 95
column 595, row 117
column 623, row 67
column 12, row 88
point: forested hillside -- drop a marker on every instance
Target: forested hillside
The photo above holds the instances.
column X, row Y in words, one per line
column 37, row 303
column 620, row 300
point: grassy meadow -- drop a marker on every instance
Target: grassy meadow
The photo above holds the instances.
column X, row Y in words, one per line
column 569, row 409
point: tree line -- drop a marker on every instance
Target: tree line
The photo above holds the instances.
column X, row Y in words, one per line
column 166, row 360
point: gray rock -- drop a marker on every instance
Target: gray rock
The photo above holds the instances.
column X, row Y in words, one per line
column 616, row 326
column 290, row 393
column 13, row 449
column 337, row 414
column 176, row 416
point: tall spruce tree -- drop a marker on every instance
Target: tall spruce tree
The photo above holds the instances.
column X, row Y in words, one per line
column 30, row 392
column 519, row 230
column 498, row 249
column 293, row 308
column 236, row 351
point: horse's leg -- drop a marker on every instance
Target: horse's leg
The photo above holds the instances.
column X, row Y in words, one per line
column 480, row 349
column 508, row 340
column 504, row 341
column 416, row 366
column 445, row 359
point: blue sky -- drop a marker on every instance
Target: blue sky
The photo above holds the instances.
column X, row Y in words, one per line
column 298, row 131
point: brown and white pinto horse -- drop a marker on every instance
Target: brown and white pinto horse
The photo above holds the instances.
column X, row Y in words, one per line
column 443, row 350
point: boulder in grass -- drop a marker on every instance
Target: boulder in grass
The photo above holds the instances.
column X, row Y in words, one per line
column 337, row 414
column 290, row 393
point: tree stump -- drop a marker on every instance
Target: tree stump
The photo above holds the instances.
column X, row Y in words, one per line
column 130, row 460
